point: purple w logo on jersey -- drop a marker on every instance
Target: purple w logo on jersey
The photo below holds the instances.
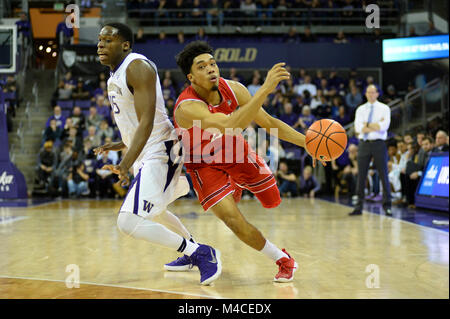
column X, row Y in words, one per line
column 147, row 206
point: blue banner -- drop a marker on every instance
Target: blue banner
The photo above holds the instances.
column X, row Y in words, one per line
column 415, row 48
column 435, row 180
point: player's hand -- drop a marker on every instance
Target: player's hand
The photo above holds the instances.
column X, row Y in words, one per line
column 314, row 160
column 275, row 75
column 120, row 170
column 104, row 149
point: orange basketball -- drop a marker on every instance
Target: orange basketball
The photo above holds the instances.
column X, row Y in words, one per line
column 326, row 140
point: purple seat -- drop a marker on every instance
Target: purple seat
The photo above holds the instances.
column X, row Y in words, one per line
column 65, row 104
column 66, row 113
column 84, row 104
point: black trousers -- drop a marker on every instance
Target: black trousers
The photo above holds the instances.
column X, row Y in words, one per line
column 376, row 150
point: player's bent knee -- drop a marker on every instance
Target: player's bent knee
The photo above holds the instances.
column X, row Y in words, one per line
column 127, row 222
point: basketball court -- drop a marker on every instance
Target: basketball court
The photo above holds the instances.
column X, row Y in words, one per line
column 48, row 248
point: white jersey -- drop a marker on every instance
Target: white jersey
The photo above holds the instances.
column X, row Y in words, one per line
column 122, row 105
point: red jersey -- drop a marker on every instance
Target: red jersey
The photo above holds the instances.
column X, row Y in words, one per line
column 203, row 148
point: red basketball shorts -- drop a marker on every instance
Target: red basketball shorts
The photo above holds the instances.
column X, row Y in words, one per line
column 212, row 183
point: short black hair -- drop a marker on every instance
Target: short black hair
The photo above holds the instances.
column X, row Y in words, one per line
column 125, row 31
column 186, row 57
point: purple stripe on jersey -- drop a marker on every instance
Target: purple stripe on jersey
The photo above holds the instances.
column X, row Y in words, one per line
column 172, row 166
column 136, row 193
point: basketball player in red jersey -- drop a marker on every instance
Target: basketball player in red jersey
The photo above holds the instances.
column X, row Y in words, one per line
column 209, row 105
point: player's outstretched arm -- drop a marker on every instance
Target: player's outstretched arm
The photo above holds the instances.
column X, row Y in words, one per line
column 268, row 122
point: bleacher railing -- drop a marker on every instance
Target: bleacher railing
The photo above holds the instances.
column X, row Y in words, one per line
column 260, row 17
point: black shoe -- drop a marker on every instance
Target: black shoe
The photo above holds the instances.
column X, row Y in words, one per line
column 355, row 212
column 388, row 211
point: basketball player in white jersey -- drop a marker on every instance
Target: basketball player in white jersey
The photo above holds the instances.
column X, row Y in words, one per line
column 154, row 153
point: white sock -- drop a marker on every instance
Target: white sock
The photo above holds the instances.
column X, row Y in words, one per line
column 272, row 251
column 140, row 228
column 190, row 248
column 171, row 221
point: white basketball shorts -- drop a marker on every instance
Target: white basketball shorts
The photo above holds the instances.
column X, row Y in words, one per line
column 157, row 184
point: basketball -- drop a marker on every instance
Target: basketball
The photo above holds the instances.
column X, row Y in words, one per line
column 326, row 140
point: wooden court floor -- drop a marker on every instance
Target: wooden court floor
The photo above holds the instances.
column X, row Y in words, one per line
column 43, row 249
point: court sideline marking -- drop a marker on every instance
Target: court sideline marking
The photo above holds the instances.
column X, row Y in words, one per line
column 115, row 286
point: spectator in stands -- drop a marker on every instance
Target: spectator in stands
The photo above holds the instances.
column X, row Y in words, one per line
column 235, row 76
column 168, row 89
column 346, row 171
column 336, row 102
column 391, row 94
column 305, row 120
column 412, row 32
column 180, row 14
column 104, row 178
column 287, row 181
column 288, row 116
column 77, row 181
column 162, row 13
column 308, row 184
column 292, row 36
column 64, row 34
column 100, row 90
column 432, row 29
column 90, row 165
column 408, row 139
column 323, row 111
column 93, row 119
column 316, row 100
column 140, row 36
column 103, row 108
column 335, row 81
column 248, row 11
column 197, row 12
column 343, row 117
column 62, row 92
column 80, row 92
column 340, row 38
column 201, row 35
column 60, row 120
column 214, row 13
column 180, row 37
column 23, row 30
column 441, row 142
column 170, row 105
column 265, row 11
column 113, row 156
column 162, row 38
column 52, row 133
column 281, row 12
column 307, row 85
column 78, row 118
column 104, row 131
column 255, row 85
column 347, row 9
column 75, row 138
column 68, row 79
column 412, row 173
column 93, row 137
column 47, row 161
column 353, row 99
column 308, row 36
column 324, row 87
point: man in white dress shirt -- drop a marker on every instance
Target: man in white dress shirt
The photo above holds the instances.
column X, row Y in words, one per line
column 372, row 121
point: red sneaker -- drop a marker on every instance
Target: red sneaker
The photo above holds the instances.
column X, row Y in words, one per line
column 287, row 267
